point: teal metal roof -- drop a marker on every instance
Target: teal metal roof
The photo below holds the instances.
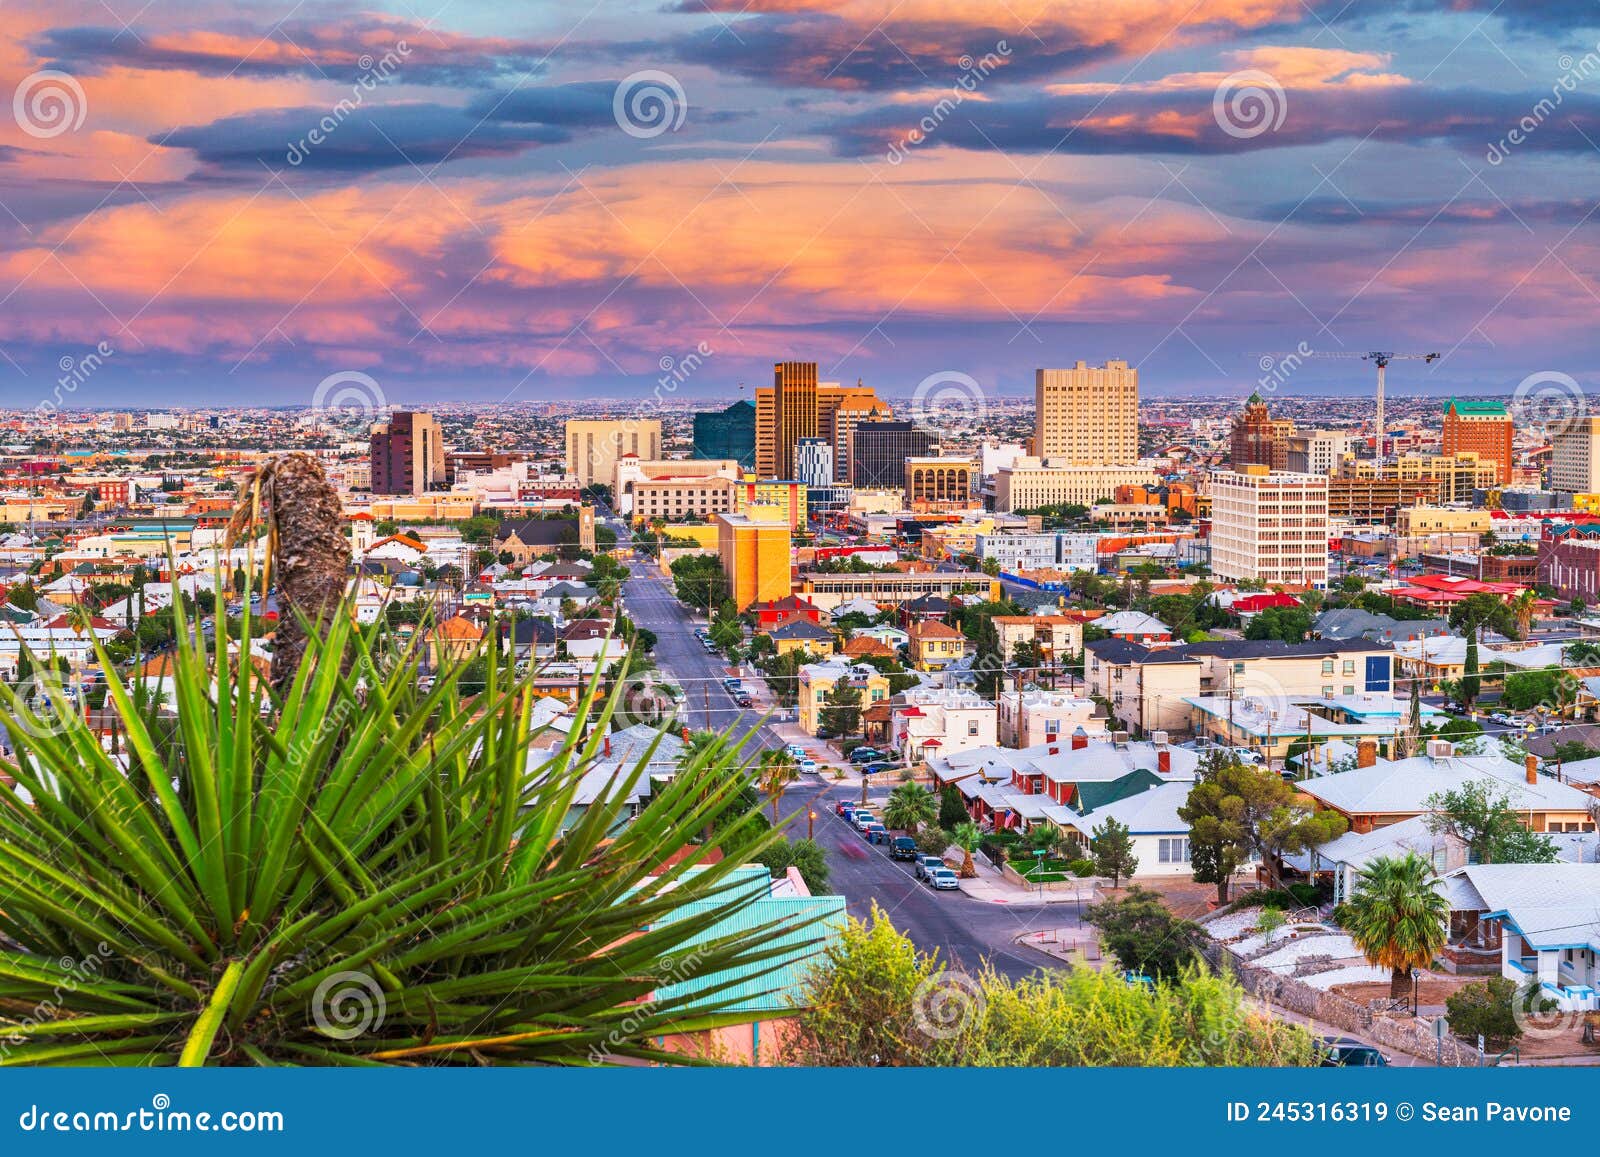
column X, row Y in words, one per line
column 768, row 985
column 1477, row 407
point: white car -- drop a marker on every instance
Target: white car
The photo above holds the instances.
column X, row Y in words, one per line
column 943, row 880
column 808, row 765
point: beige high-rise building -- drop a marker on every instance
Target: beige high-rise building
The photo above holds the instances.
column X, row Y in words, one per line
column 797, row 406
column 407, row 454
column 1087, row 415
column 594, row 445
column 1575, row 456
column 840, row 409
column 766, row 433
column 1270, row 526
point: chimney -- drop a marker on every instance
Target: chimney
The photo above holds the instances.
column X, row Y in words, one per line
column 1164, row 761
column 1079, row 740
column 1367, row 753
column 1530, row 765
column 608, row 747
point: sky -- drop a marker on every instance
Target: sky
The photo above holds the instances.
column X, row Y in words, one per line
column 460, row 200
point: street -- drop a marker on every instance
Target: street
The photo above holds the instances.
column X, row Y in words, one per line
column 964, row 930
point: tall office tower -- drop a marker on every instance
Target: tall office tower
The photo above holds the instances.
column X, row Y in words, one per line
column 1575, row 456
column 794, row 403
column 878, row 453
column 407, row 454
column 766, row 432
column 1259, row 439
column 813, row 461
column 1482, row 426
column 727, row 435
column 840, row 409
column 1269, row 526
column 1088, row 415
column 594, row 445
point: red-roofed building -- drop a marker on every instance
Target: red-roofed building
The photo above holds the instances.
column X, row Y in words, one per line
column 1255, row 604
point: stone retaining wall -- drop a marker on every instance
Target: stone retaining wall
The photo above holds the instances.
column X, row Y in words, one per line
column 1406, row 1034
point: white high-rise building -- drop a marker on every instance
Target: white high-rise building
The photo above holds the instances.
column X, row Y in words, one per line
column 813, row 461
column 1575, row 456
column 1317, row 451
column 1269, row 526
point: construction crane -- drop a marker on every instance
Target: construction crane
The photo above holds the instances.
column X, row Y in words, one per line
column 1382, row 358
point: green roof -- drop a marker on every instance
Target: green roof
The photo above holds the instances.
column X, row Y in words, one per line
column 1095, row 795
column 766, row 985
column 1476, row 408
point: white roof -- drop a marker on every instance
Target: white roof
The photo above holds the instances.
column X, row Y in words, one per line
column 1359, row 848
column 1392, row 787
column 1131, row 622
column 1551, row 905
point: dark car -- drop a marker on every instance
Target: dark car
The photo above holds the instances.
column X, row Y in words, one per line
column 864, row 754
column 745, row 701
column 1339, row 1051
column 903, row 848
column 875, row 768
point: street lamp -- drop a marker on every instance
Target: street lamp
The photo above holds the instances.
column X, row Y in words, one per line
column 811, row 823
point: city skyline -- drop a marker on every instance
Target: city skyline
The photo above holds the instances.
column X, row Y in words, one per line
column 541, row 203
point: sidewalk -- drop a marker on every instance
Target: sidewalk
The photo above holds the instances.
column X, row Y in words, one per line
column 992, row 887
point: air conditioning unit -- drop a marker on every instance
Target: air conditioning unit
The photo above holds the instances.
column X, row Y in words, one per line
column 1440, row 749
column 1159, row 738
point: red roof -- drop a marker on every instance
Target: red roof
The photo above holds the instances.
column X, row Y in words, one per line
column 1254, row 604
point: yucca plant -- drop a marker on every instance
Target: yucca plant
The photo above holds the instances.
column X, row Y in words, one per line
column 348, row 870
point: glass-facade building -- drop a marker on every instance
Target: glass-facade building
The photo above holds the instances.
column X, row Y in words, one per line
column 727, row 434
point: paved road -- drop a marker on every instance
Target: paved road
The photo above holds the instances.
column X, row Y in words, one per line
column 965, row 930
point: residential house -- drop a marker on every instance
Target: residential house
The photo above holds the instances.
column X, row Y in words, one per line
column 1035, row 717
column 1134, row 627
column 454, row 641
column 592, row 642
column 1160, row 836
column 776, row 612
column 1054, row 636
column 1380, row 792
column 818, row 679
column 923, row 608
column 802, row 634
column 864, row 647
column 1355, row 623
column 939, row 721
column 935, row 645
column 1548, row 920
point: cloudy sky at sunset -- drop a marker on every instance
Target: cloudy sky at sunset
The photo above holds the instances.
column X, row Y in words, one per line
column 478, row 200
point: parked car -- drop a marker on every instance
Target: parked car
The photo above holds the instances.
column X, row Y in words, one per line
column 745, row 702
column 926, row 864
column 902, row 848
column 863, row 755
column 807, row 765
column 1245, row 754
column 844, row 808
column 943, row 880
column 862, row 818
column 875, row 768
column 1341, row 1051
column 796, row 750
column 876, row 833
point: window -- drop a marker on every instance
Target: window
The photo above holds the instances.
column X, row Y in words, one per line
column 1174, row 850
column 1327, row 692
column 1349, row 667
column 1052, row 727
column 1327, row 666
column 972, row 727
column 1349, row 690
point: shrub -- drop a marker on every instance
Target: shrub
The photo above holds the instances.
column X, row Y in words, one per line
column 1081, row 868
column 1484, row 1007
column 932, row 841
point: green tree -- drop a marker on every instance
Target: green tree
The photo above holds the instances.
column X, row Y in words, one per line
column 1236, row 810
column 841, row 710
column 1290, row 624
column 1143, row 933
column 777, row 770
column 1112, row 850
column 807, row 855
column 1485, row 1008
column 952, row 811
column 910, row 806
column 1479, row 814
column 1397, row 917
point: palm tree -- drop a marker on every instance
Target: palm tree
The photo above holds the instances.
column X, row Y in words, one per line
column 1397, row 917
column 966, row 837
column 1521, row 609
column 1045, row 838
column 778, row 770
column 910, row 806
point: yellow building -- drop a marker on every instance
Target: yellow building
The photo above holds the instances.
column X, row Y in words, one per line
column 454, row 507
column 594, row 445
column 940, row 482
column 935, row 645
column 755, row 556
column 762, row 498
column 803, row 635
column 818, row 679
column 1415, row 520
